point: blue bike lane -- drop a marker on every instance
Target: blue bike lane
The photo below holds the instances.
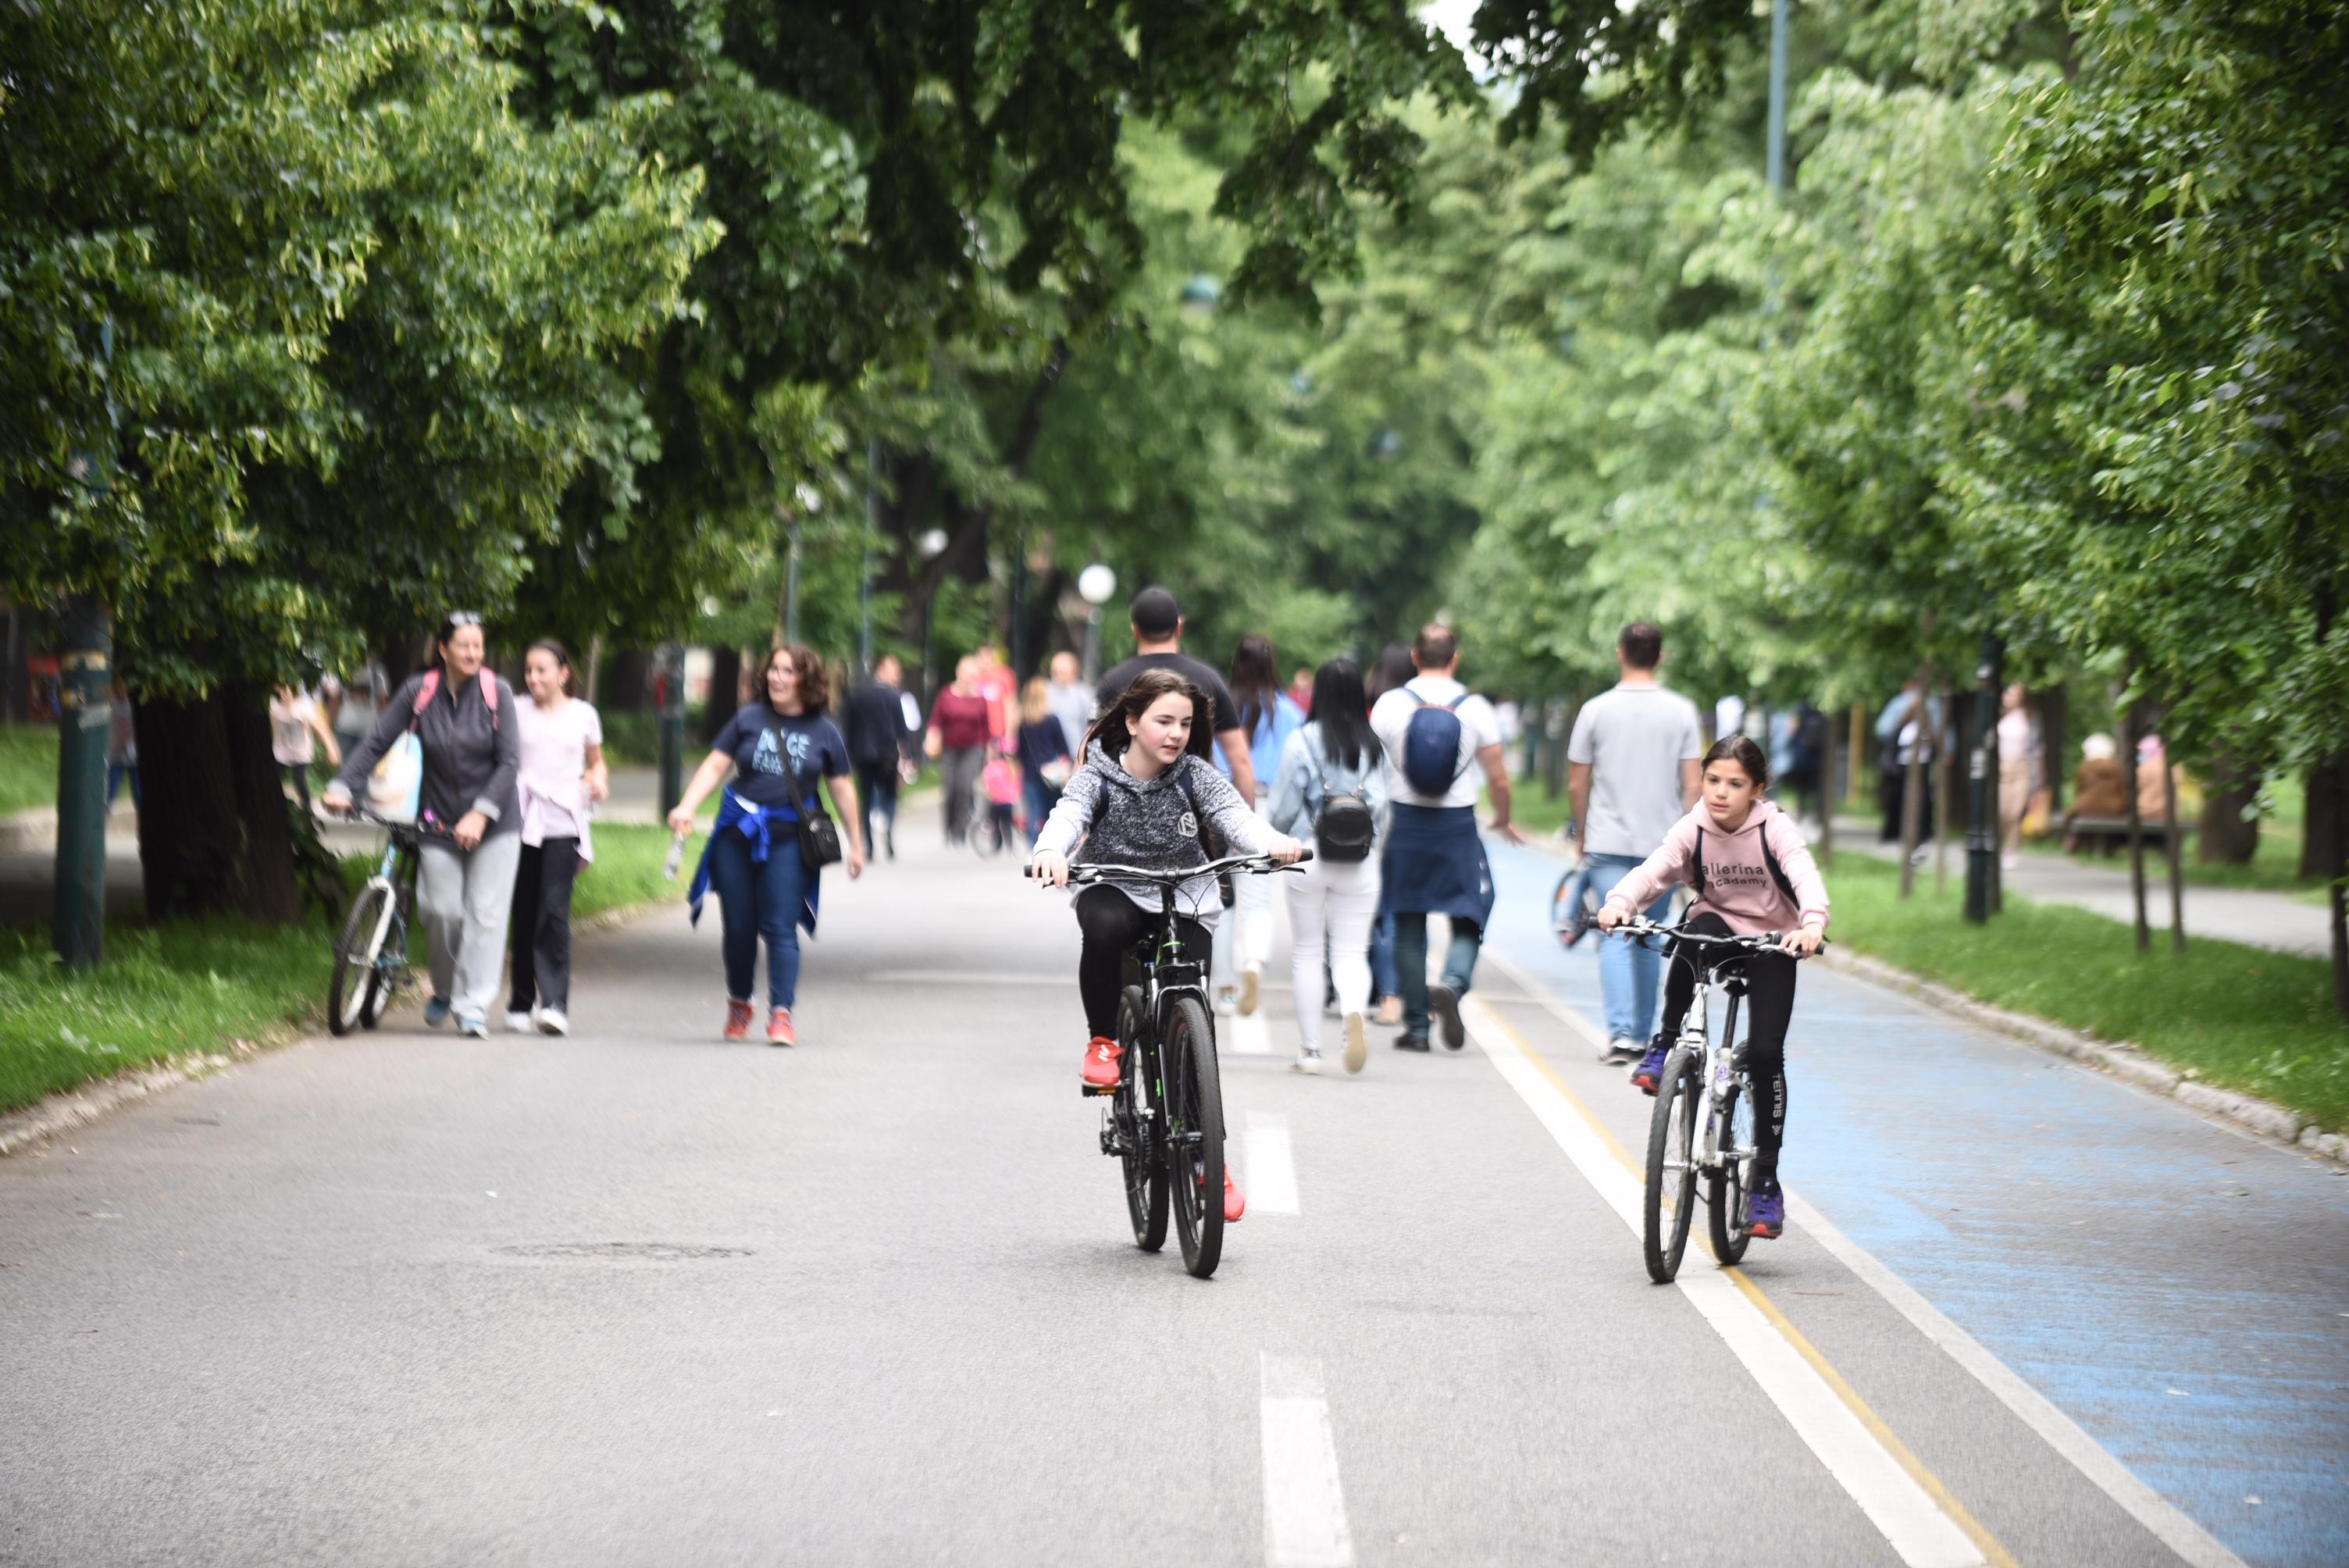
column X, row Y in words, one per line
column 2179, row 1291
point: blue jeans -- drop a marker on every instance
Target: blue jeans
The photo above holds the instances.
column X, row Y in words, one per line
column 757, row 902
column 1411, row 964
column 1041, row 799
column 1626, row 971
column 1382, row 963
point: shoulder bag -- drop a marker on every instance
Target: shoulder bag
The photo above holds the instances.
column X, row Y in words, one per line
column 819, row 839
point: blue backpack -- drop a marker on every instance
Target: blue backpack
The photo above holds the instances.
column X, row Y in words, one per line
column 1431, row 746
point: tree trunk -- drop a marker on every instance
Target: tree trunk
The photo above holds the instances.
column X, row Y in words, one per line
column 2053, row 707
column 1945, row 757
column 271, row 891
column 2175, row 858
column 1825, row 856
column 2339, row 871
column 2135, row 823
column 593, row 689
column 725, row 682
column 2227, row 839
column 2321, row 841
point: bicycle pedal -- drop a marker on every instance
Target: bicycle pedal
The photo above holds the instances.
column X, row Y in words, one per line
column 1090, row 1092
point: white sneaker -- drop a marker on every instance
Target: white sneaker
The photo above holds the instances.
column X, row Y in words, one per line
column 551, row 1021
column 473, row 1028
column 518, row 1023
column 1224, row 1004
column 1251, row 987
column 1308, row 1062
column 1621, row 1048
column 1358, row 1048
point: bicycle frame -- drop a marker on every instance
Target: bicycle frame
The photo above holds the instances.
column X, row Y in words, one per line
column 1721, row 1067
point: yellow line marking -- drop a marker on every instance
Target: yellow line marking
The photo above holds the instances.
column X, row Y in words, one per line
column 1996, row 1556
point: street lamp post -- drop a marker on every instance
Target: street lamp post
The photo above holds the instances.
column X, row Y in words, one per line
column 1095, row 584
column 929, row 548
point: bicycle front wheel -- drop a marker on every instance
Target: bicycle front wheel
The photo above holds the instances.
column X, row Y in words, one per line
column 1672, row 1165
column 1195, row 1135
column 353, row 993
column 1143, row 1159
column 1727, row 1186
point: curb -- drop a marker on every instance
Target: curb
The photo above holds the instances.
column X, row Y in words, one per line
column 2263, row 1118
column 60, row 1113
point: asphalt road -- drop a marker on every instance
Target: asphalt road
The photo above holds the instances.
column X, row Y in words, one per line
column 643, row 1296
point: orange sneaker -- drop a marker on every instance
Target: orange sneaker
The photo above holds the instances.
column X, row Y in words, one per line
column 779, row 1028
column 737, row 1020
column 1234, row 1201
column 1101, row 1058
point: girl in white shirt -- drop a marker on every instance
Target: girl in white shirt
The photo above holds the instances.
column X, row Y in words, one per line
column 562, row 773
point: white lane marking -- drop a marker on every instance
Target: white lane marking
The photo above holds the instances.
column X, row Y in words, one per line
column 1271, row 1169
column 1304, row 1508
column 1911, row 1522
column 2172, row 1528
column 1247, row 1036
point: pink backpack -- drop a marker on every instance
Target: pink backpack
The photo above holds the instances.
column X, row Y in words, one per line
column 431, row 689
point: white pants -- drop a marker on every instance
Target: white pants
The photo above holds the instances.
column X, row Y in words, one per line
column 1244, row 938
column 1342, row 901
column 465, row 900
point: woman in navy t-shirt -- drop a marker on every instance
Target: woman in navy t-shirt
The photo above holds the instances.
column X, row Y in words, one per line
column 752, row 858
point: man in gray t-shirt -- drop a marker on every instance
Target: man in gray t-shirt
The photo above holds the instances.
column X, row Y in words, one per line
column 1633, row 765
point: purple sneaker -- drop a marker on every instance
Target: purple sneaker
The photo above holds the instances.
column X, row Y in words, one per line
column 1765, row 1214
column 1651, row 1070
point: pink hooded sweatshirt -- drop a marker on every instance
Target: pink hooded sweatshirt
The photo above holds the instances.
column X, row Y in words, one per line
column 1736, row 884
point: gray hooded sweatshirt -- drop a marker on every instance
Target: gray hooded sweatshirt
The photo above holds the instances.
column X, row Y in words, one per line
column 1129, row 822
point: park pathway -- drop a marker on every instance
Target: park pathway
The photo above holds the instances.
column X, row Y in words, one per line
column 643, row 1296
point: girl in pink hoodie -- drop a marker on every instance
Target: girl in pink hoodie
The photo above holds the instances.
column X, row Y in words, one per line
column 1752, row 873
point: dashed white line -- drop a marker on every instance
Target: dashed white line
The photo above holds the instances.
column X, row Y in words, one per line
column 1304, row 1507
column 1271, row 1165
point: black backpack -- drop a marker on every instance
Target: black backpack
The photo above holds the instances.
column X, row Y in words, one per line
column 1769, row 862
column 1345, row 827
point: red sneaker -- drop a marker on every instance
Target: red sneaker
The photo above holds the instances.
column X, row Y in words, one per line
column 737, row 1020
column 779, row 1028
column 1234, row 1201
column 1102, row 1057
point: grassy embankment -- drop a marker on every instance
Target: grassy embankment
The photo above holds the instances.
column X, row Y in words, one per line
column 193, row 987
column 2241, row 1017
column 28, row 766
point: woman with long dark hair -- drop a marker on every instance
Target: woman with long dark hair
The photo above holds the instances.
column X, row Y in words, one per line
column 1267, row 717
column 1145, row 797
column 561, row 778
column 1331, row 786
column 778, row 748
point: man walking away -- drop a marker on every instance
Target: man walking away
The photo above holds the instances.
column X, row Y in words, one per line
column 1158, row 646
column 1073, row 702
column 1631, row 772
column 875, row 722
column 1435, row 731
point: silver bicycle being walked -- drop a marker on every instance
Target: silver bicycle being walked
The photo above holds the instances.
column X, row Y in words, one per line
column 1702, row 1126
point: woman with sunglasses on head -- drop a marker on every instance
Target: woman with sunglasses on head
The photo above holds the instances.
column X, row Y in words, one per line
column 778, row 749
column 462, row 716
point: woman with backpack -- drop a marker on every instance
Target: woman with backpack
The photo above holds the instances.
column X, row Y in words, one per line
column 1267, row 717
column 767, row 852
column 1332, row 789
column 461, row 716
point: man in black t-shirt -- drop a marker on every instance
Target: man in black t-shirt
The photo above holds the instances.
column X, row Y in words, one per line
column 1158, row 646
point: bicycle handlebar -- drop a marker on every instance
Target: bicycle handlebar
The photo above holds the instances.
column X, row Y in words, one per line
column 354, row 812
column 1093, row 871
column 1757, row 941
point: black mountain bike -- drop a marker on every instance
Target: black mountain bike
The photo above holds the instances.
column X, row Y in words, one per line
column 1164, row 1119
column 1702, row 1126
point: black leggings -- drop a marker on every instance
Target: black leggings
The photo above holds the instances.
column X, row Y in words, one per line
column 1113, row 923
column 1769, row 1006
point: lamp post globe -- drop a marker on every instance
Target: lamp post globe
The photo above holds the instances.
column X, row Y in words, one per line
column 1095, row 584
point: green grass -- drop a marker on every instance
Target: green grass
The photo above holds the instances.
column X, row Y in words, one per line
column 2238, row 1016
column 28, row 766
column 193, row 986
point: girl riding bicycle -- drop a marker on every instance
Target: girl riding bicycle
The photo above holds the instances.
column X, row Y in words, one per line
column 1146, row 796
column 1752, row 873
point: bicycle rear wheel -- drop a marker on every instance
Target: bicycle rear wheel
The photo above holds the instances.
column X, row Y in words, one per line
column 353, row 993
column 1143, row 1158
column 1671, row 1200
column 1727, row 1188
column 1195, row 1135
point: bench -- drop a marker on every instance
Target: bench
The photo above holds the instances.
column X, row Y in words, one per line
column 2109, row 835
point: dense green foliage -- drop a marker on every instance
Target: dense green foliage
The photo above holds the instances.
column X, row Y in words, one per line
column 28, row 766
